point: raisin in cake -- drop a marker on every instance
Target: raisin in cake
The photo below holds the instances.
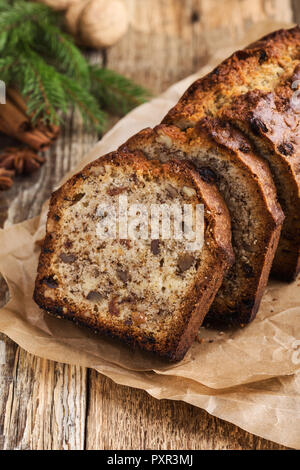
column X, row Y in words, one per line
column 150, row 293
column 254, row 89
column 223, row 156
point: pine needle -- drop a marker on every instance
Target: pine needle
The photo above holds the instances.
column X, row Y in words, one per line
column 40, row 60
column 115, row 92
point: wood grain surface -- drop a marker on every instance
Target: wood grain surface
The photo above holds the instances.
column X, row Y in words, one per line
column 47, row 405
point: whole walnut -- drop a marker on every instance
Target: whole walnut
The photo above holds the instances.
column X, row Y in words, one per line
column 73, row 15
column 97, row 23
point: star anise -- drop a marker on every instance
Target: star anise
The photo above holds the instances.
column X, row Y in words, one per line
column 6, row 178
column 22, row 160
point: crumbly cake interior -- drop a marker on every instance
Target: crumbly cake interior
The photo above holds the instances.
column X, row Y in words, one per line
column 132, row 282
column 246, row 222
column 281, row 174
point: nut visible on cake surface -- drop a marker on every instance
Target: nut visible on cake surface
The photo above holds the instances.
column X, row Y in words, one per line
column 171, row 190
column 189, row 192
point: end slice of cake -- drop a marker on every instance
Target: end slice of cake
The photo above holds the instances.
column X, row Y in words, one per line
column 104, row 264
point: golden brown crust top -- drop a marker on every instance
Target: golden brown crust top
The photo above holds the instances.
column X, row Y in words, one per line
column 271, row 56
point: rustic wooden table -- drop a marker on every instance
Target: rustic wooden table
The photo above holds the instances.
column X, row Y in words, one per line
column 47, row 405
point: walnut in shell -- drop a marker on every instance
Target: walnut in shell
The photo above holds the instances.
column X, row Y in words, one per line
column 102, row 23
column 72, row 16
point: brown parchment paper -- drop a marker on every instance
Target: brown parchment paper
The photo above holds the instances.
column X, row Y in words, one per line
column 249, row 377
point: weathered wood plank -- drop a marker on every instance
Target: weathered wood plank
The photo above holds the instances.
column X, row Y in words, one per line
column 45, row 405
column 42, row 403
column 8, row 351
column 170, row 39
column 124, row 418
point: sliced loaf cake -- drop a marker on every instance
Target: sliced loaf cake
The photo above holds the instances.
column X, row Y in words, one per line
column 258, row 83
column 223, row 156
column 153, row 293
column 272, row 123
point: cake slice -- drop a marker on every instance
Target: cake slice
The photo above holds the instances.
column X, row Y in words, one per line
column 271, row 121
column 150, row 292
column 253, row 89
column 223, row 156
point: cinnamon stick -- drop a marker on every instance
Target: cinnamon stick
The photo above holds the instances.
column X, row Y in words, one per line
column 35, row 139
column 15, row 123
column 50, row 130
column 17, row 99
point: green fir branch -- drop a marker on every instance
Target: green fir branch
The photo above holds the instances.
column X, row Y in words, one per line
column 60, row 49
column 40, row 60
column 41, row 84
column 86, row 103
column 115, row 92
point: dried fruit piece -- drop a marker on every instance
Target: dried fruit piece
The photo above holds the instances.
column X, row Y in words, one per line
column 77, row 198
column 286, row 148
column 50, row 282
column 248, row 270
column 113, row 308
column 185, row 262
column 207, row 175
column 96, row 272
column 155, row 247
column 123, row 275
column 68, row 257
column 125, row 242
column 68, row 244
column 94, row 296
column 244, row 148
column 116, row 191
column 258, row 125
